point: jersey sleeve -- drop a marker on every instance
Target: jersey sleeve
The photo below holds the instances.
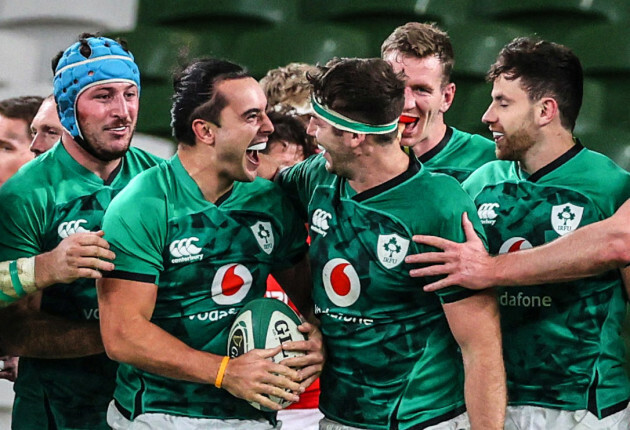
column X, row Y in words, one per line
column 455, row 203
column 293, row 244
column 135, row 228
column 299, row 182
column 21, row 224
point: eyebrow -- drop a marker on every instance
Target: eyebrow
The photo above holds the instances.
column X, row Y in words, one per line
column 252, row 110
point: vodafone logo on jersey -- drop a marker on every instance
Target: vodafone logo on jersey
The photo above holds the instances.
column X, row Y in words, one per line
column 514, row 244
column 67, row 228
column 341, row 282
column 231, row 284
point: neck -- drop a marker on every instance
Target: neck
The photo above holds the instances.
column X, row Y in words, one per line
column 102, row 169
column 545, row 150
column 202, row 167
column 378, row 164
column 431, row 141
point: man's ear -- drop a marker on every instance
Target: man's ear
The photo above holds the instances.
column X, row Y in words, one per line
column 355, row 139
column 548, row 110
column 203, row 131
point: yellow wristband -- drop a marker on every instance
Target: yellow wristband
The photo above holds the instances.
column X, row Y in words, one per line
column 221, row 372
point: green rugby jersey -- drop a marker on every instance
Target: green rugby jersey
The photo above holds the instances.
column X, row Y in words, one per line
column 49, row 199
column 458, row 154
column 561, row 342
column 391, row 358
column 207, row 260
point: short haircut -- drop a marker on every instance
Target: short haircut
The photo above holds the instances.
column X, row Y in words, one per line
column 422, row 40
column 362, row 89
column 195, row 96
column 24, row 108
column 546, row 69
column 290, row 129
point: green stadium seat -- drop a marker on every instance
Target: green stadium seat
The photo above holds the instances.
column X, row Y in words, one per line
column 263, row 50
column 476, row 45
column 593, row 112
column 159, row 50
column 379, row 18
column 604, row 51
column 204, row 14
column 613, row 142
column 553, row 19
column 155, row 109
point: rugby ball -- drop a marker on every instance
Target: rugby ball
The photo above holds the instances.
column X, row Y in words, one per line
column 261, row 324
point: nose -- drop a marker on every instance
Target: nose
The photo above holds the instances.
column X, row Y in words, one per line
column 267, row 126
column 310, row 129
column 488, row 117
column 38, row 145
column 121, row 106
column 410, row 102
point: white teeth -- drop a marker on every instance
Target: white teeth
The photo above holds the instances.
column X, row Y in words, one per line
column 496, row 134
column 321, row 148
column 118, row 129
column 257, row 146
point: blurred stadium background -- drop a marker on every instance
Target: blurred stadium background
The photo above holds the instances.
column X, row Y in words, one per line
column 264, row 34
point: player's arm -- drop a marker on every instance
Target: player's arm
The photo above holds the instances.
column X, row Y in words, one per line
column 130, row 337
column 26, row 331
column 80, row 255
column 587, row 251
column 474, row 322
column 296, row 281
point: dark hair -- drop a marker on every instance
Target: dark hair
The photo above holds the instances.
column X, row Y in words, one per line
column 24, row 108
column 422, row 40
column 290, row 129
column 362, row 89
column 546, row 69
column 195, row 97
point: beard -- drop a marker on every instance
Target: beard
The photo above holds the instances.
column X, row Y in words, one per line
column 101, row 150
column 514, row 146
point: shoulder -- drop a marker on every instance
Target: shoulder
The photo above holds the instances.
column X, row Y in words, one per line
column 142, row 157
column 473, row 139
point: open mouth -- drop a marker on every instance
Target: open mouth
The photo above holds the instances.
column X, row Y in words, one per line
column 252, row 152
column 496, row 135
column 410, row 123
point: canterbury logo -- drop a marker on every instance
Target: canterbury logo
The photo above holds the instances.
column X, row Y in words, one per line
column 184, row 250
column 67, row 228
column 319, row 222
column 486, row 213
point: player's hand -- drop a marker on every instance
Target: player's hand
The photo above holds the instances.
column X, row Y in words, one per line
column 253, row 374
column 465, row 264
column 9, row 368
column 311, row 364
column 80, row 255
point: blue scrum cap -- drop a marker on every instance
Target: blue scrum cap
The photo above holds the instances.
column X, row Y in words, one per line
column 107, row 62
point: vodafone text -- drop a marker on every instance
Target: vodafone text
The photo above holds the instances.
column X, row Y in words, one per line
column 342, row 317
column 521, row 300
column 214, row 315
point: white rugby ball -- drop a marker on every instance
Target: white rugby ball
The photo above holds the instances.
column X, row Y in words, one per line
column 261, row 324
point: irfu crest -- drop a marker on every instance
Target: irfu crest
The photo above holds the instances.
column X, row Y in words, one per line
column 391, row 249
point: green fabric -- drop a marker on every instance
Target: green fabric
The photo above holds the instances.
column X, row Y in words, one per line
column 207, row 261
column 389, row 347
column 38, row 203
column 562, row 346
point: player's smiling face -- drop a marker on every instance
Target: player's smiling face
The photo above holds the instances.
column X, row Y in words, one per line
column 510, row 118
column 107, row 116
column 244, row 128
column 337, row 153
column 426, row 99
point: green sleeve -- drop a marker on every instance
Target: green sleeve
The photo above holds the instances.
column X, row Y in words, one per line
column 135, row 227
column 299, row 182
column 23, row 218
